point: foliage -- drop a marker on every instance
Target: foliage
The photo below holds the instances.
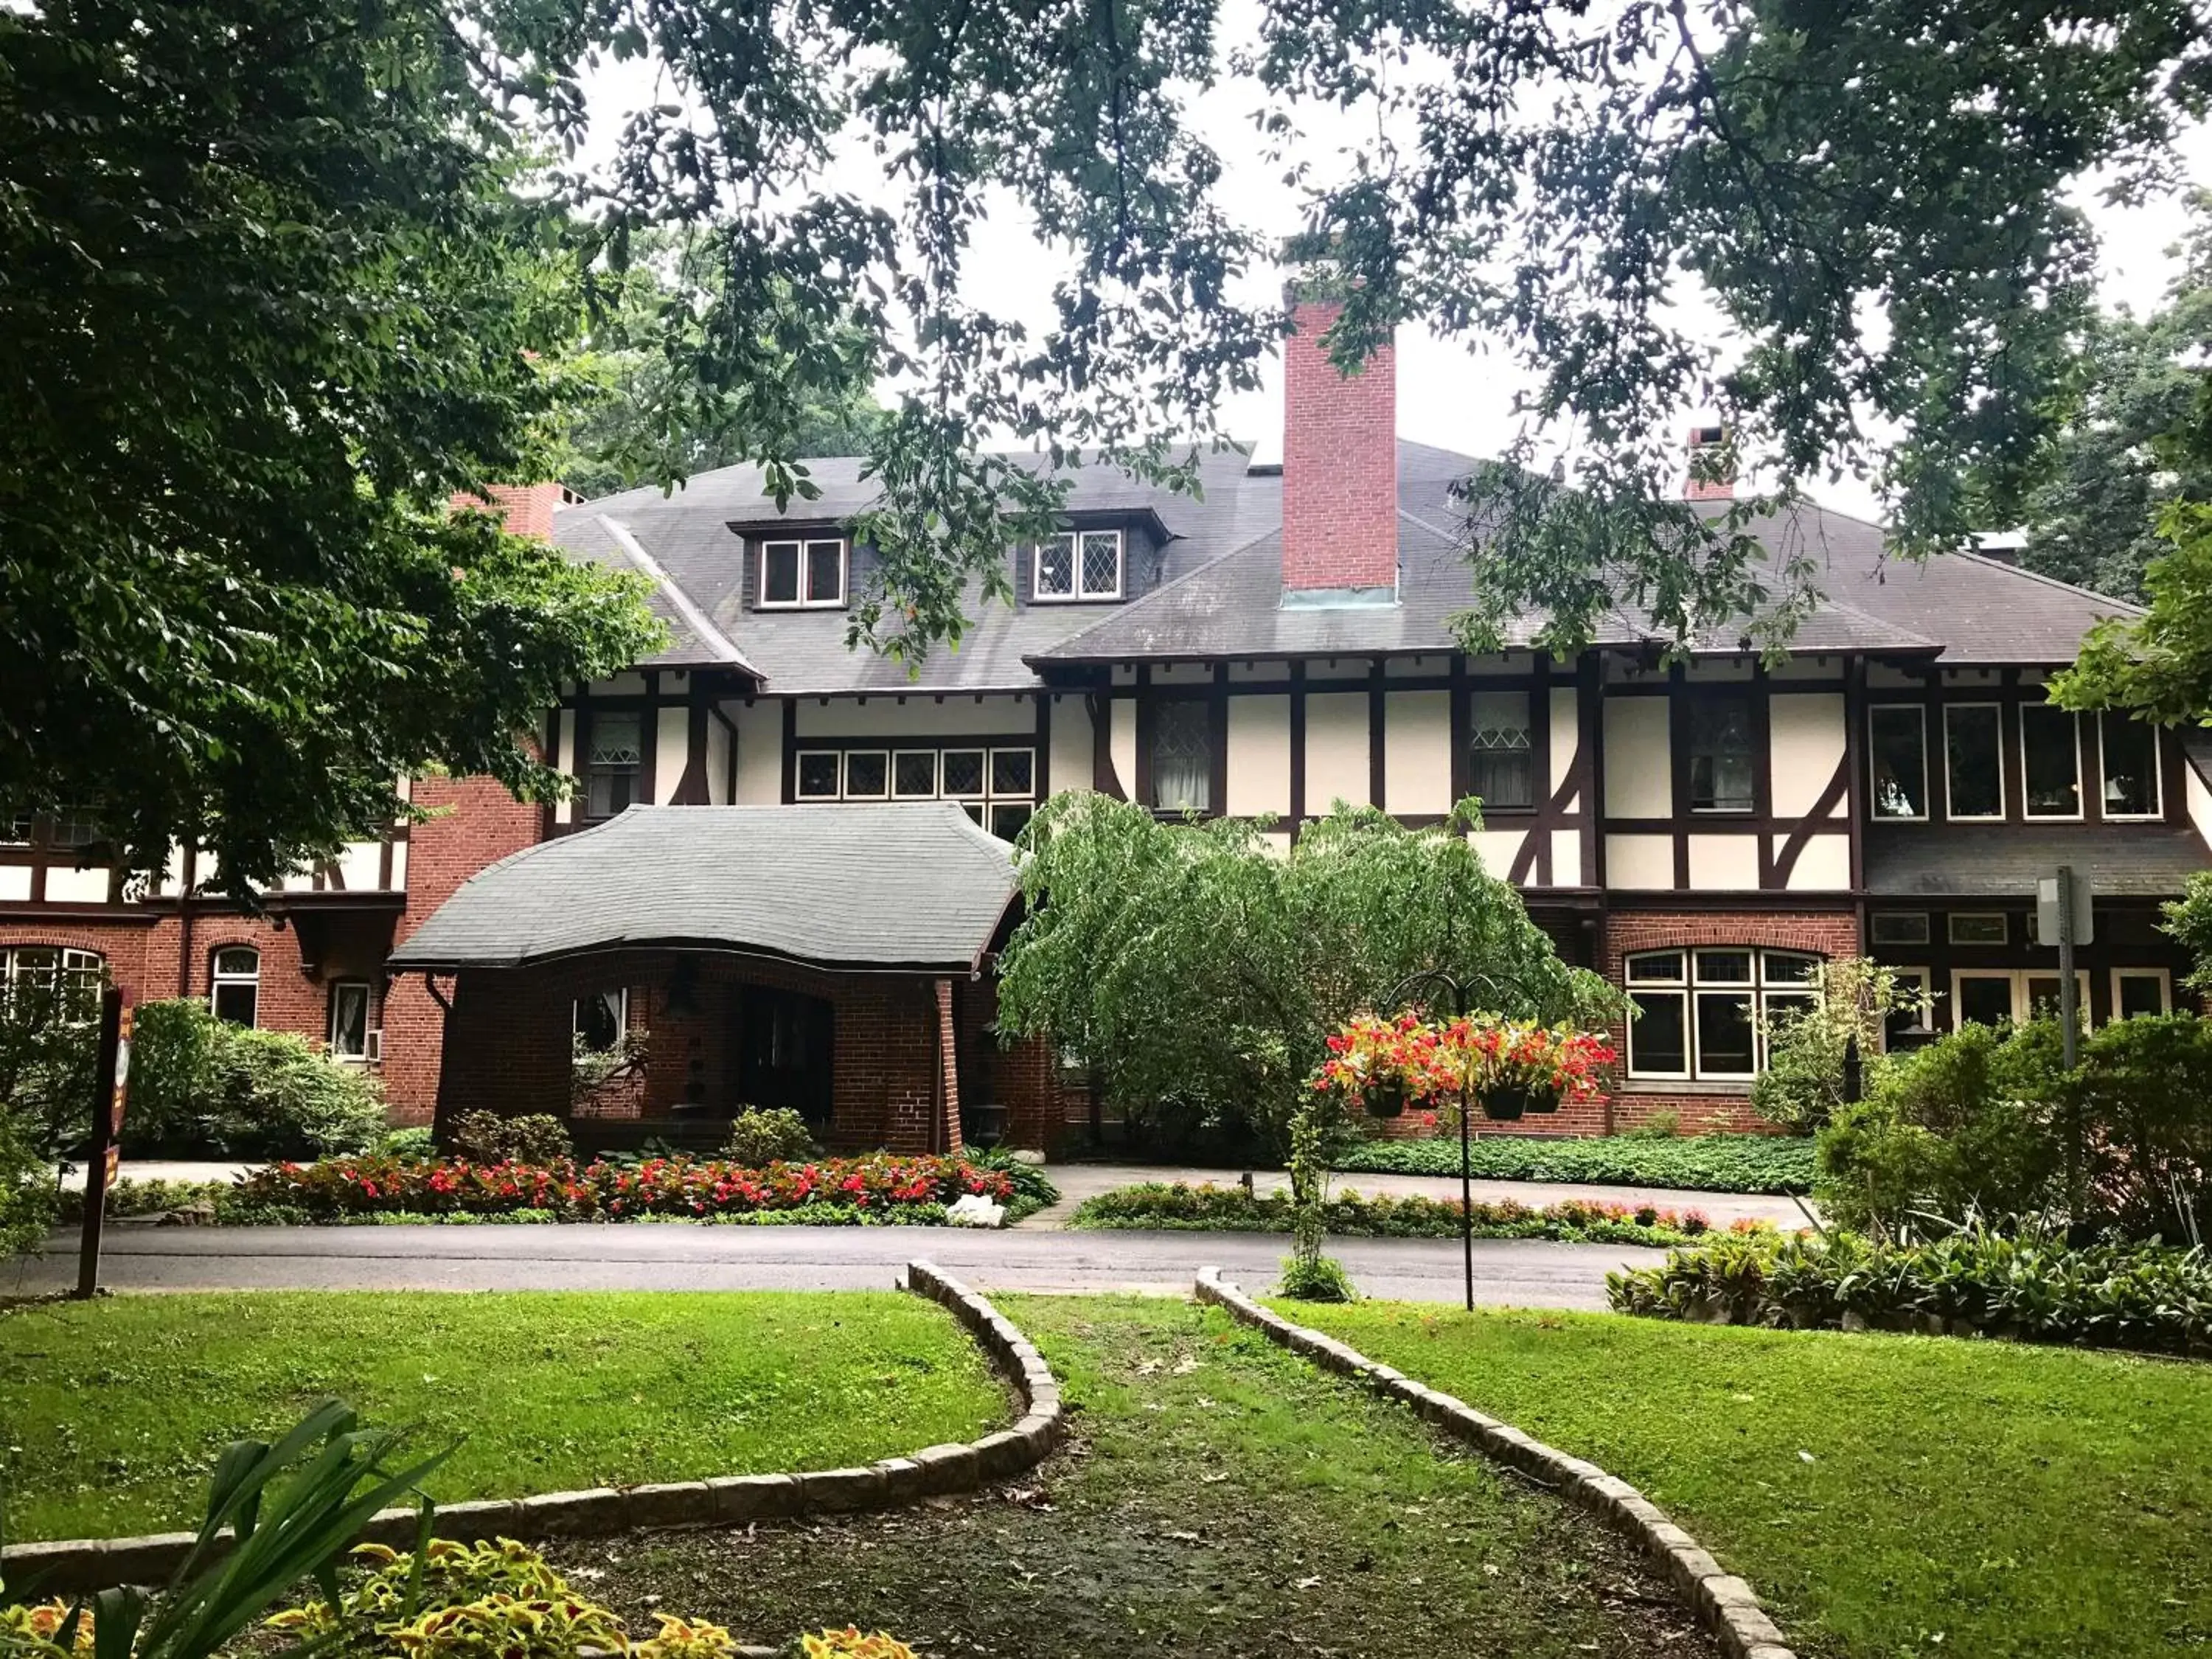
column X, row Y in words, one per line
column 413, row 1141
column 2189, row 921
column 591, row 1070
column 849, row 1644
column 1718, row 1163
column 49, row 1049
column 1881, row 1493
column 1176, row 1206
column 1802, row 1086
column 201, row 1084
column 131, row 1197
column 114, row 1407
column 2142, row 1100
column 279, row 287
column 536, row 1137
column 1976, row 1281
column 878, row 1184
column 1316, row 1277
column 1189, row 964
column 769, row 1135
column 1431, row 1061
column 1033, row 1188
column 335, row 1476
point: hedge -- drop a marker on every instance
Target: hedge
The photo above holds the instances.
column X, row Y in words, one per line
column 1712, row 1164
column 1177, row 1207
column 2151, row 1297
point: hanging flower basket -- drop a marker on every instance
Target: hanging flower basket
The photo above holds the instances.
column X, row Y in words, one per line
column 1385, row 1100
column 1507, row 1103
column 1509, row 1068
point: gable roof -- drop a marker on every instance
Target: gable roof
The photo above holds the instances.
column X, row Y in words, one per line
column 1219, row 593
column 806, row 884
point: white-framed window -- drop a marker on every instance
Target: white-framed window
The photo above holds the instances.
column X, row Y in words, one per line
column 71, row 978
column 2137, row 992
column 1978, row 928
column 349, row 1020
column 2128, row 750
column 598, row 1020
column 1502, row 768
column 1916, row 1020
column 234, row 984
column 614, row 762
column 807, row 572
column 14, row 828
column 1973, row 760
column 2050, row 761
column 1078, row 564
column 1897, row 752
column 996, row 786
column 1897, row 928
column 1722, row 757
column 1990, row 996
column 1702, row 1012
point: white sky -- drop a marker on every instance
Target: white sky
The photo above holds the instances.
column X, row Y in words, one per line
column 1449, row 395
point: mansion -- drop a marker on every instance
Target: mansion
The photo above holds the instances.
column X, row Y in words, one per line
column 786, row 860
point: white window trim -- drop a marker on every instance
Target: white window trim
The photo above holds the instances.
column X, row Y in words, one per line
column 936, row 771
column 2157, row 776
column 1950, row 929
column 1688, row 989
column 1873, row 929
column 2019, row 978
column 367, row 1025
column 219, row 976
column 845, row 774
column 797, row 769
column 2165, row 987
column 1920, row 713
column 1950, row 806
column 1924, row 978
column 804, row 546
column 1077, row 594
column 622, row 1012
column 2073, row 747
column 991, row 773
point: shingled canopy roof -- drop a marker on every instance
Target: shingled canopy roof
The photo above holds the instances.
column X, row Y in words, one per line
column 914, row 886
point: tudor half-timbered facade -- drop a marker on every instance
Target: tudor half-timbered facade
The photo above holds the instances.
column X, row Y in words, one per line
column 1703, row 833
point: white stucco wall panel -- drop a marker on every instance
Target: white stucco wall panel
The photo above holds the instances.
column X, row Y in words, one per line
column 1258, row 757
column 65, row 886
column 1567, row 858
column 1639, row 862
column 1498, row 848
column 15, row 882
column 1638, row 769
column 1806, row 743
column 1071, row 743
column 1417, row 751
column 671, row 753
column 1824, row 865
column 564, row 760
column 1336, row 750
column 1724, row 864
column 1122, row 744
column 760, row 752
column 893, row 719
column 1567, row 735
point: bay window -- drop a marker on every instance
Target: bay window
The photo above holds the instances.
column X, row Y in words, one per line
column 1703, row 1013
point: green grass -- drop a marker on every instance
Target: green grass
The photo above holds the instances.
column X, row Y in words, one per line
column 1889, row 1495
column 1713, row 1163
column 111, row 1412
column 1220, row 1500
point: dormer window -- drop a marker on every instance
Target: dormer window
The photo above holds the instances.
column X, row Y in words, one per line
column 806, row 574
column 1079, row 564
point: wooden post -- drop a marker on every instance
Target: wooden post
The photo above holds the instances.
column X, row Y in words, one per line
column 110, row 1085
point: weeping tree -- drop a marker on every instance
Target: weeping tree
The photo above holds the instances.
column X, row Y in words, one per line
column 1196, row 963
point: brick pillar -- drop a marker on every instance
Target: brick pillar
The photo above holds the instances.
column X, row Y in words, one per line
column 1340, row 467
column 948, row 1065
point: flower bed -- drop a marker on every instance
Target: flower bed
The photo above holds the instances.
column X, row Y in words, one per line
column 877, row 1188
column 1712, row 1163
column 1176, row 1206
column 2150, row 1298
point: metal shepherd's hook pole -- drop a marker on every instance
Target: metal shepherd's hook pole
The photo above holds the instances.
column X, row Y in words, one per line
column 1450, row 993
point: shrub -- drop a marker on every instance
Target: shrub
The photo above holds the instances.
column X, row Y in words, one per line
column 1175, row 1207
column 536, row 1137
column 1714, row 1163
column 767, row 1135
column 200, row 1085
column 849, row 1644
column 414, row 1142
column 142, row 1198
column 1033, row 1188
column 2034, row 1287
column 1316, row 1278
column 1802, row 1086
column 2144, row 1098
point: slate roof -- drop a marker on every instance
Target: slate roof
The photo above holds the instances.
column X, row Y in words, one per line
column 1969, row 861
column 1220, row 590
column 911, row 885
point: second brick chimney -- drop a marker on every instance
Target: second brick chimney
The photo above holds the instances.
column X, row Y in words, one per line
column 1720, row 485
column 523, row 509
column 1339, row 471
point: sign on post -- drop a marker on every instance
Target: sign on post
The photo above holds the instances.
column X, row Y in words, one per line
column 111, row 1089
column 2064, row 916
column 2047, row 912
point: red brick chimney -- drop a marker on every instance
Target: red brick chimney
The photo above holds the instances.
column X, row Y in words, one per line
column 525, row 509
column 1720, row 486
column 1339, row 470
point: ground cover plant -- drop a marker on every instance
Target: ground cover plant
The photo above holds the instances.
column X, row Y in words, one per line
column 1975, row 1282
column 1221, row 1499
column 1886, row 1495
column 112, row 1411
column 1178, row 1206
column 1716, row 1164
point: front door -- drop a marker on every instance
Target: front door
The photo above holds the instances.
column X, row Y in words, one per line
column 786, row 1044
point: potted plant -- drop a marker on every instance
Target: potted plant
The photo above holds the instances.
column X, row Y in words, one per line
column 1518, row 1067
column 1383, row 1066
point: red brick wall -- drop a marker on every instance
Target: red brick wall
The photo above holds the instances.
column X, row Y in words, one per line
column 509, row 1045
column 525, row 509
column 1339, row 464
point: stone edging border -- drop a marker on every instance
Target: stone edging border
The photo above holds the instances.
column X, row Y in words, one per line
column 1727, row 1605
column 87, row 1564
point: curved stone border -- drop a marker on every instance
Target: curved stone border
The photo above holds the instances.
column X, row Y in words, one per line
column 1726, row 1604
column 86, row 1563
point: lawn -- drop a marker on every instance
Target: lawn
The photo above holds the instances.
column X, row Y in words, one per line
column 111, row 1412
column 1890, row 1496
column 1220, row 1499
